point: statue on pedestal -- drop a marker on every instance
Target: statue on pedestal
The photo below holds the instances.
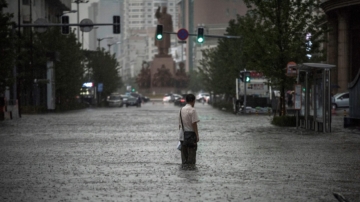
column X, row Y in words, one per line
column 164, row 19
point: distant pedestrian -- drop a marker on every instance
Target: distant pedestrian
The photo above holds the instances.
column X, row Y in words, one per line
column 188, row 121
column 138, row 100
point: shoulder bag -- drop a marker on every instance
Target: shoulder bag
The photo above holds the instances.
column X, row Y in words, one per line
column 189, row 136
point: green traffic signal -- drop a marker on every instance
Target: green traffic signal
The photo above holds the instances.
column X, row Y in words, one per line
column 247, row 77
column 200, row 35
column 159, row 32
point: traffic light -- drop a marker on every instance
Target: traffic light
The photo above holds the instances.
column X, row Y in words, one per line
column 133, row 90
column 247, row 77
column 241, row 76
column 159, row 32
column 65, row 20
column 200, row 35
column 116, row 26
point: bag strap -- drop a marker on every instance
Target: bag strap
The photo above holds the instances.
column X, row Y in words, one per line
column 181, row 120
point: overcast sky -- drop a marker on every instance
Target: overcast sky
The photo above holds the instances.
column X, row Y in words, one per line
column 83, row 7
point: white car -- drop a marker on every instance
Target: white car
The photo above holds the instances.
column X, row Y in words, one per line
column 167, row 98
column 340, row 100
column 203, row 97
column 115, row 101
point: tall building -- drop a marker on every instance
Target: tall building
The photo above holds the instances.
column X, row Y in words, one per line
column 103, row 12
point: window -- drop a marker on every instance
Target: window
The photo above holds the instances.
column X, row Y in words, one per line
column 26, row 2
column 345, row 96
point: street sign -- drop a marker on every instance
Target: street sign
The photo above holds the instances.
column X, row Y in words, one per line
column 84, row 25
column 100, row 87
column 291, row 69
column 41, row 21
column 182, row 34
column 181, row 41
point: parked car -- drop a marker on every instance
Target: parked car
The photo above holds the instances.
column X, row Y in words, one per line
column 180, row 101
column 143, row 98
column 171, row 97
column 115, row 100
column 340, row 100
column 125, row 98
column 131, row 101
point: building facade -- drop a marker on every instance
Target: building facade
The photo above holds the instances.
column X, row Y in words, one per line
column 343, row 50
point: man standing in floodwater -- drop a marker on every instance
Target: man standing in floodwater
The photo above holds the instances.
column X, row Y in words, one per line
column 189, row 119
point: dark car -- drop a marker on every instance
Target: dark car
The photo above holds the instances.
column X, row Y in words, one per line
column 180, row 101
column 143, row 98
column 131, row 101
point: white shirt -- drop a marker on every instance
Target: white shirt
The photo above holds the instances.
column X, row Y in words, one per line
column 189, row 116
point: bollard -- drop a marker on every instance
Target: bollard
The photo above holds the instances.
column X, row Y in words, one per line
column 344, row 112
column 333, row 111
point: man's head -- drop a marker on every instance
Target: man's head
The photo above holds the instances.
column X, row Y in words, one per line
column 164, row 9
column 190, row 99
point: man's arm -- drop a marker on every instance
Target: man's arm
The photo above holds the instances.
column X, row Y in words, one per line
column 194, row 125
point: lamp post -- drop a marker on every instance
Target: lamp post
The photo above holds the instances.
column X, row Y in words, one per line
column 109, row 45
column 78, row 14
column 100, row 39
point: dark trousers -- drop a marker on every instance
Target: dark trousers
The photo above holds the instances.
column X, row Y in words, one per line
column 188, row 154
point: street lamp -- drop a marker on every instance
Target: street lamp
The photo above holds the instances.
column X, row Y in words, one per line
column 109, row 45
column 100, row 39
column 78, row 14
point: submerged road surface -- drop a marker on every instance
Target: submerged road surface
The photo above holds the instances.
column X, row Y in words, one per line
column 129, row 154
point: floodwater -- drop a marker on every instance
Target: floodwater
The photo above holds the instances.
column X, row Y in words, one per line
column 130, row 154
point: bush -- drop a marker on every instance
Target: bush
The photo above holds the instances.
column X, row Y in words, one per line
column 284, row 121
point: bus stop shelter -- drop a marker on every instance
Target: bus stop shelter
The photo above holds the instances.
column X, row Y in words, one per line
column 313, row 96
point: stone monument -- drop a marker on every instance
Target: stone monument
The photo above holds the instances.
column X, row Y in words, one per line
column 163, row 58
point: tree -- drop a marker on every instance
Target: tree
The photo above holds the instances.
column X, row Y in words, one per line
column 69, row 66
column 275, row 32
column 105, row 70
column 7, row 45
column 196, row 81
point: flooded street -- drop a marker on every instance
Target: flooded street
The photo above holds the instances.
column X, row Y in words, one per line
column 129, row 154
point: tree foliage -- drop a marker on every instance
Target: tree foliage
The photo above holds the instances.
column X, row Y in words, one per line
column 7, row 45
column 273, row 33
column 104, row 69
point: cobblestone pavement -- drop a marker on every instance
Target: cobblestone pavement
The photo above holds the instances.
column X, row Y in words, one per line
column 129, row 154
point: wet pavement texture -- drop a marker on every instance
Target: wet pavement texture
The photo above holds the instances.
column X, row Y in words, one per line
column 129, row 154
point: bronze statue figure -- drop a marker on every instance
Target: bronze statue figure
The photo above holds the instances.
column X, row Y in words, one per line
column 164, row 19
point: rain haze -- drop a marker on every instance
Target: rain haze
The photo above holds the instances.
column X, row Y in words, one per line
column 179, row 100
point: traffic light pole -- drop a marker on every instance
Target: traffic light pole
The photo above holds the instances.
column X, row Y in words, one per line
column 211, row 36
column 62, row 25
